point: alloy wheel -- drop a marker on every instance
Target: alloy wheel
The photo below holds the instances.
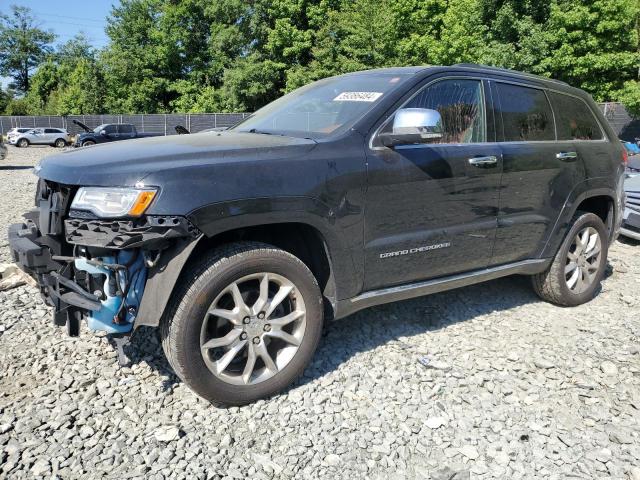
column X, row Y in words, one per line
column 583, row 260
column 253, row 329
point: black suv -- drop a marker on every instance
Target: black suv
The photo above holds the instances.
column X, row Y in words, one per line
column 350, row 192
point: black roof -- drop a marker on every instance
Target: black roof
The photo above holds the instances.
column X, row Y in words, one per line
column 465, row 66
column 506, row 71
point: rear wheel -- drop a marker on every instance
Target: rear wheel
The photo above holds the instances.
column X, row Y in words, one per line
column 575, row 275
column 245, row 323
column 23, row 142
column 60, row 143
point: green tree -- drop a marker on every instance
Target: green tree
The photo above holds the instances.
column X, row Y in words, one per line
column 630, row 97
column 83, row 92
column 23, row 45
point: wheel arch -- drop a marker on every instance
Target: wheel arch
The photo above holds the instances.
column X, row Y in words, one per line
column 301, row 239
column 600, row 201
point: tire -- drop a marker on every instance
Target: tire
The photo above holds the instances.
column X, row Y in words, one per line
column 567, row 282
column 187, row 329
column 88, row 143
column 60, row 143
column 23, row 143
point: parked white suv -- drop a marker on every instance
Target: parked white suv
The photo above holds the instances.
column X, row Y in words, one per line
column 57, row 137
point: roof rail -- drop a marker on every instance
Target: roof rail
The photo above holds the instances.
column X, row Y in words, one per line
column 507, row 70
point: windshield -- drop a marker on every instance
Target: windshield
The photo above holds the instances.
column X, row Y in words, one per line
column 322, row 108
column 99, row 128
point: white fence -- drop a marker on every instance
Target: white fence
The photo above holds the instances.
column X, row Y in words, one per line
column 152, row 123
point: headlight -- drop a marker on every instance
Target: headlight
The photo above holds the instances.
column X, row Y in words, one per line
column 113, row 202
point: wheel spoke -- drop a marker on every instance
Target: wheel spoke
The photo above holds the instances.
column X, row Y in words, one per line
column 282, row 293
column 232, row 315
column 574, row 278
column 282, row 335
column 584, row 240
column 580, row 280
column 263, row 353
column 263, row 298
column 228, row 339
column 572, row 256
column 570, row 268
column 251, row 363
column 593, row 240
column 593, row 252
column 287, row 319
column 237, row 298
column 226, row 359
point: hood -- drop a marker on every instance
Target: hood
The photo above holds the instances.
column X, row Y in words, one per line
column 82, row 126
column 128, row 162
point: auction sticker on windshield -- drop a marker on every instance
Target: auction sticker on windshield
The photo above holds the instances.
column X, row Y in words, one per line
column 358, row 97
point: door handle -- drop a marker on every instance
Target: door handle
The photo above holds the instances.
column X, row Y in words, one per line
column 566, row 155
column 480, row 162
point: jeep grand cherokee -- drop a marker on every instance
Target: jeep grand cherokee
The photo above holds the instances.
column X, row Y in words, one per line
column 352, row 191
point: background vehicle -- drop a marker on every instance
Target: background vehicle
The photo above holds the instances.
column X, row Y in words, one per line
column 57, row 137
column 350, row 192
column 631, row 223
column 3, row 150
column 109, row 132
column 15, row 132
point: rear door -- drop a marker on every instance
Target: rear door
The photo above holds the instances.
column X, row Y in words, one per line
column 539, row 171
column 125, row 131
column 576, row 122
column 51, row 134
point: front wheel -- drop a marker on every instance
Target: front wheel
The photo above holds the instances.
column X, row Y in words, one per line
column 575, row 275
column 245, row 323
column 88, row 143
column 23, row 143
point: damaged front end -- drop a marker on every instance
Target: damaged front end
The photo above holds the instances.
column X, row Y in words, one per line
column 98, row 269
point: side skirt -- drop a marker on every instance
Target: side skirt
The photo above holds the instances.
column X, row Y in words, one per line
column 427, row 287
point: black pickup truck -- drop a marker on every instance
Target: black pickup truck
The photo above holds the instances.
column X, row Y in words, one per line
column 108, row 132
column 353, row 191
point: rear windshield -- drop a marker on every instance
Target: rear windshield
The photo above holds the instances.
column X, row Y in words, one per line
column 322, row 108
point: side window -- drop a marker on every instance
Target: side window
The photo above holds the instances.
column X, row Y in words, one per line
column 574, row 119
column 526, row 113
column 460, row 104
column 51, row 130
column 126, row 129
column 110, row 129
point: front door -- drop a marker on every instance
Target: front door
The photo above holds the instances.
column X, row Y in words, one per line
column 431, row 208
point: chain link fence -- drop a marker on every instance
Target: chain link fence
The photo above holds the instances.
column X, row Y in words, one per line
column 149, row 123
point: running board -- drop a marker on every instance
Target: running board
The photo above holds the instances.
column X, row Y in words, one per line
column 427, row 287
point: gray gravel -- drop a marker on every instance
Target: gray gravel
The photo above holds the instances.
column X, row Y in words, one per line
column 483, row 382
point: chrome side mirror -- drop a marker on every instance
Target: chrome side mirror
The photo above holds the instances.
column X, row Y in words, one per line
column 413, row 125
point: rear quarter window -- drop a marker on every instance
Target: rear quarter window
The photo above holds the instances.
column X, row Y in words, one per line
column 574, row 118
column 526, row 113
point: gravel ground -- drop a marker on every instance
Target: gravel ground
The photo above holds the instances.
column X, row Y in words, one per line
column 514, row 388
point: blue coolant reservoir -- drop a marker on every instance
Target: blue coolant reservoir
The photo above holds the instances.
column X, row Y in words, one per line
column 134, row 279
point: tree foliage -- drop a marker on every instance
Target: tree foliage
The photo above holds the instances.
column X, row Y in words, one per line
column 230, row 55
column 22, row 45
